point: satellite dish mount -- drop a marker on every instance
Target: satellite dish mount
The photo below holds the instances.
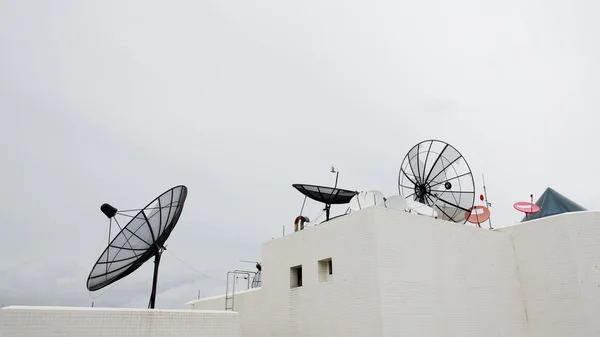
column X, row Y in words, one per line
column 159, row 251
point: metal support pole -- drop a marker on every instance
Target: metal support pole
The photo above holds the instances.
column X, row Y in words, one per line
column 155, row 279
column 487, row 204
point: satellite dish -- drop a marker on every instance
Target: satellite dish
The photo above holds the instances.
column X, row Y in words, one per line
column 419, row 208
column 367, row 199
column 378, row 197
column 396, row 202
column 141, row 239
column 526, row 207
column 326, row 195
column 477, row 215
column 435, row 174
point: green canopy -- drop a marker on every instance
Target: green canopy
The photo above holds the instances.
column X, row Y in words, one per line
column 551, row 203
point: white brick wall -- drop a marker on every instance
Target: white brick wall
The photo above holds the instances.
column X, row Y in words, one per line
column 446, row 279
column 348, row 305
column 559, row 265
column 394, row 274
column 101, row 322
column 398, row 274
column 249, row 302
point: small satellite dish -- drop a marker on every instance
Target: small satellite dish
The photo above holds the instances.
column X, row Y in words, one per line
column 419, row 208
column 367, row 199
column 526, row 207
column 379, row 197
column 396, row 202
column 435, row 174
column 142, row 238
column 477, row 215
column 355, row 202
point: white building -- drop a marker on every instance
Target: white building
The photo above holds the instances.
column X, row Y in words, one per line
column 383, row 272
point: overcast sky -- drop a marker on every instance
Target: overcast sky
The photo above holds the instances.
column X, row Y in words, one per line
column 117, row 101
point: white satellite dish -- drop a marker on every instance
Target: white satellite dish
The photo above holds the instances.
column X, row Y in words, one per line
column 378, row 197
column 396, row 202
column 419, row 208
column 444, row 208
column 367, row 199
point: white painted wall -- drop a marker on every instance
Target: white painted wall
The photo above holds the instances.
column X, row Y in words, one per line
column 445, row 279
column 349, row 304
column 97, row 322
column 393, row 274
column 398, row 274
column 559, row 265
column 248, row 301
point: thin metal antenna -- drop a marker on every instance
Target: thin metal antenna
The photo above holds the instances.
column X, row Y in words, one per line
column 198, row 293
column 531, row 196
column 108, row 244
column 530, row 207
column 109, row 227
column 249, row 261
column 304, row 202
column 487, row 204
column 337, row 173
column 328, row 206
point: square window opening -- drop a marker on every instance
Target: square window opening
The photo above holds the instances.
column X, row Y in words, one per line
column 296, row 276
column 325, row 270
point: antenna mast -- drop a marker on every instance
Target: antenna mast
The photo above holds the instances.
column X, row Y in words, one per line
column 337, row 173
column 487, row 204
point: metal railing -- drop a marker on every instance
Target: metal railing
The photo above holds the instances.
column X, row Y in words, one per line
column 250, row 278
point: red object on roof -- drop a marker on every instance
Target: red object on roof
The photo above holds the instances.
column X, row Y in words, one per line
column 477, row 214
column 526, row 207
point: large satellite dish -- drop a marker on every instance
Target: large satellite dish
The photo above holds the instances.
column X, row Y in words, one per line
column 142, row 238
column 435, row 174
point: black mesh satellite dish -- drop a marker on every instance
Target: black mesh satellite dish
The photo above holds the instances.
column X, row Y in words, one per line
column 142, row 238
column 434, row 173
column 326, row 195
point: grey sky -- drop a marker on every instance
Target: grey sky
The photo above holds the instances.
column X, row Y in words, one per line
column 118, row 101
